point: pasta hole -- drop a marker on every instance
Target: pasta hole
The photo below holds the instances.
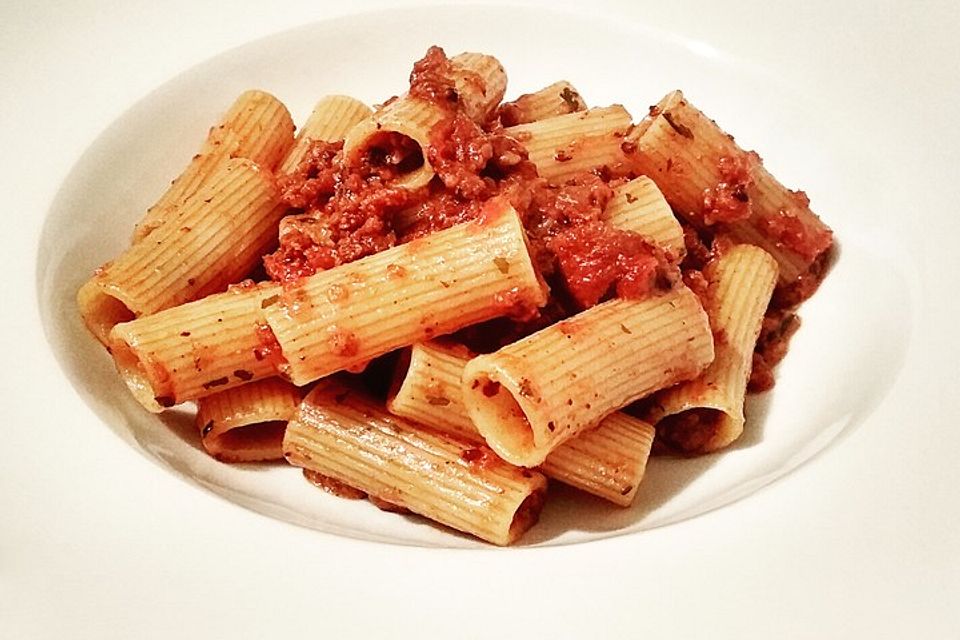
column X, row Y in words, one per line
column 504, row 424
column 134, row 373
column 393, row 151
column 691, row 431
column 102, row 311
column 527, row 514
column 249, row 443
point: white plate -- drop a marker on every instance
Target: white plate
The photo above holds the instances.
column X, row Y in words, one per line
column 131, row 161
column 849, row 353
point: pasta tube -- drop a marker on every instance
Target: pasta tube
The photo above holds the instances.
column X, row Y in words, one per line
column 639, row 206
column 331, row 119
column 348, row 315
column 246, row 423
column 608, row 461
column 402, row 127
column 342, row 434
column 216, row 239
column 197, row 349
column 565, row 145
column 557, row 99
column 257, row 127
column 706, row 414
column 531, row 396
column 708, row 178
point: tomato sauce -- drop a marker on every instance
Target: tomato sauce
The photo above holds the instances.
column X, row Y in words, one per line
column 347, row 213
column 787, row 230
column 432, row 79
column 594, row 259
column 348, row 210
column 268, row 348
column 729, row 202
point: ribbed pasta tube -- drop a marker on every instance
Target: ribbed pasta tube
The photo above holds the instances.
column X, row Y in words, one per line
column 557, row 99
column 340, row 433
column 481, row 82
column 216, row 239
column 199, row 348
column 246, row 423
column 706, row 414
column 531, row 396
column 639, row 206
column 407, row 121
column 697, row 166
column 469, row 273
column 608, row 461
column 568, row 144
column 257, row 127
column 330, row 120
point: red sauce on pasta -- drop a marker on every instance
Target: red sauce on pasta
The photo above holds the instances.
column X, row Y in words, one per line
column 268, row 348
column 351, row 210
column 788, row 231
column 432, row 79
column 728, row 201
column 348, row 211
column 593, row 258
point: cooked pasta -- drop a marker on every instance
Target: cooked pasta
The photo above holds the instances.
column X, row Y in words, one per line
column 257, row 127
column 343, row 434
column 247, row 423
column 557, row 290
column 607, row 461
column 706, row 414
column 565, row 145
column 331, row 119
column 708, row 179
column 217, row 237
column 531, row 396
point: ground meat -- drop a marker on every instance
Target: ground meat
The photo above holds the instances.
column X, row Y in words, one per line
column 729, row 201
column 314, row 178
column 343, row 222
column 689, row 431
column 459, row 150
column 595, row 259
column 432, row 79
column 778, row 327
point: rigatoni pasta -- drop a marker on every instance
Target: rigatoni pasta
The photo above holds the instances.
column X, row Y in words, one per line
column 531, row 396
column 557, row 99
column 399, row 132
column 706, row 414
column 460, row 276
column 343, row 434
column 331, row 119
column 247, row 423
column 521, row 260
column 607, row 461
column 709, row 179
column 216, row 239
column 257, row 127
column 565, row 145
column 639, row 206
column 198, row 349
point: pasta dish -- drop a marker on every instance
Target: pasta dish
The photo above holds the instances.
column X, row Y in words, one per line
column 444, row 302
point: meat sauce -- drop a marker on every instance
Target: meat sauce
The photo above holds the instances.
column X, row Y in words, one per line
column 345, row 211
column 348, row 211
column 729, row 202
column 432, row 79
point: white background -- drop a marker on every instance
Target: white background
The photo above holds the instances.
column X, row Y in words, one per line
column 863, row 541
